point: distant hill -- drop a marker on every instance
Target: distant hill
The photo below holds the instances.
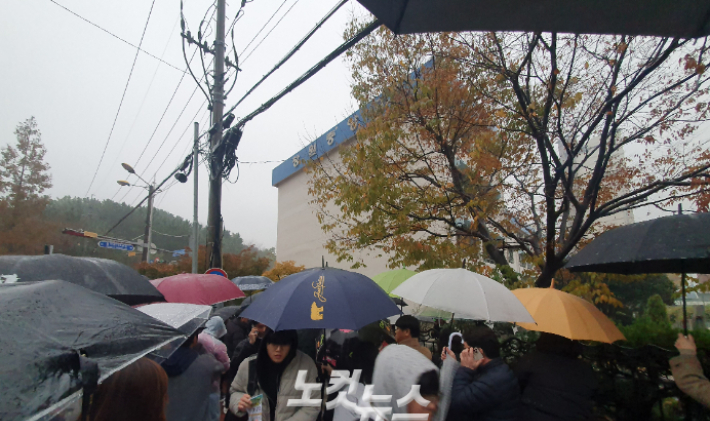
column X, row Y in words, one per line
column 170, row 232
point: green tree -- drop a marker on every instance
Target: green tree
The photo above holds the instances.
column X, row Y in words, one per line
column 24, row 177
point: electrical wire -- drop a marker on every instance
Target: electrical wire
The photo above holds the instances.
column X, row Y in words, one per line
column 117, row 37
column 120, row 104
column 140, row 108
column 263, row 27
column 180, row 138
column 290, row 53
column 261, row 162
column 171, row 235
column 268, row 33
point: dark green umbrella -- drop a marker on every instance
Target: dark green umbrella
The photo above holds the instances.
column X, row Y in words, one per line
column 677, row 18
column 673, row 244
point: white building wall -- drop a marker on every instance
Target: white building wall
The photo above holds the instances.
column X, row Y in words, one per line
column 299, row 235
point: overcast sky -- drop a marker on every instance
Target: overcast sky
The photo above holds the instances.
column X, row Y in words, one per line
column 71, row 76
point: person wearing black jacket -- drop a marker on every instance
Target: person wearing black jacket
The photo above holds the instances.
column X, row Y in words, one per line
column 484, row 388
column 237, row 330
column 556, row 385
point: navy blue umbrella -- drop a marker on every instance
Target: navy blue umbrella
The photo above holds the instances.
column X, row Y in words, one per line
column 322, row 298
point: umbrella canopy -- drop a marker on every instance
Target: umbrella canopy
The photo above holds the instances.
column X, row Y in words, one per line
column 186, row 318
column 679, row 18
column 673, row 244
column 252, row 283
column 46, row 325
column 464, row 293
column 566, row 315
column 101, row 275
column 392, row 278
column 226, row 312
column 193, row 288
column 323, row 298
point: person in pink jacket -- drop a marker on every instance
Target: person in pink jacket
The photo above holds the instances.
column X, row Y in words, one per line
column 209, row 340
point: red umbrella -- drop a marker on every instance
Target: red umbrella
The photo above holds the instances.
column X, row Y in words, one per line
column 193, row 288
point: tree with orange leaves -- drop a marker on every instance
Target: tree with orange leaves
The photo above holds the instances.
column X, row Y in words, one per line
column 24, row 178
column 282, row 270
column 473, row 142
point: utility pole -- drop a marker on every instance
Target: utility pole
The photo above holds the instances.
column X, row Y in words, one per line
column 214, row 215
column 195, row 225
column 147, row 238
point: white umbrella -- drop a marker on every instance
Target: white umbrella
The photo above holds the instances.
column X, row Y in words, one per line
column 178, row 315
column 466, row 294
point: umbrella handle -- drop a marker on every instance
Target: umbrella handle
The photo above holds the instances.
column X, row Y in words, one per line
column 685, row 314
column 90, row 381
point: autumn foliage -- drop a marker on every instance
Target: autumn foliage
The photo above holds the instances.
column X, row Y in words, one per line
column 24, row 178
column 474, row 143
column 282, row 270
column 246, row 262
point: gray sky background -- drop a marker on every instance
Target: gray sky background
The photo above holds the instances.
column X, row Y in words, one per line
column 71, row 76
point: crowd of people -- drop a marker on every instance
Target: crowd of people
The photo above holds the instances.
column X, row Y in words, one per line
column 239, row 369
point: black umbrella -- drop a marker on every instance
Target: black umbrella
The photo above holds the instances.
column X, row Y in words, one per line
column 673, row 244
column 678, row 18
column 45, row 328
column 101, row 275
column 252, row 283
column 226, row 312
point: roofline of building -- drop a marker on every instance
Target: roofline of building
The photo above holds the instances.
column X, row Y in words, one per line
column 327, row 142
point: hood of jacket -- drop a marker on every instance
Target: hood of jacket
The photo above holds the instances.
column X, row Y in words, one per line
column 180, row 361
column 215, row 327
column 397, row 369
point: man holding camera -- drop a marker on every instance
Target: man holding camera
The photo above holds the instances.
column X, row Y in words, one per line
column 484, row 387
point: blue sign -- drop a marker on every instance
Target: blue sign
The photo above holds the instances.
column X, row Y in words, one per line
column 342, row 132
column 116, row 246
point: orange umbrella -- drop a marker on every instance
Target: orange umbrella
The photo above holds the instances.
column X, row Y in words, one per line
column 566, row 315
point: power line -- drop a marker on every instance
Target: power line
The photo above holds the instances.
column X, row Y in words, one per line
column 140, row 108
column 261, row 162
column 268, row 33
column 290, row 53
column 117, row 37
column 312, row 71
column 181, row 137
column 263, row 27
column 120, row 104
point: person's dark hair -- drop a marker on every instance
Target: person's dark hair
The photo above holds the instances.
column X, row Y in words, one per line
column 483, row 337
column 456, row 345
column 555, row 344
column 388, row 339
column 282, row 337
column 135, row 393
column 191, row 339
column 429, row 383
column 363, row 358
column 409, row 322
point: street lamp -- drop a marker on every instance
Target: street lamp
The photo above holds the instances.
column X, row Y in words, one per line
column 149, row 218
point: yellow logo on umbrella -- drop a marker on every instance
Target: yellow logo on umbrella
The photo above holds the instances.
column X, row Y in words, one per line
column 316, row 312
column 319, row 286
